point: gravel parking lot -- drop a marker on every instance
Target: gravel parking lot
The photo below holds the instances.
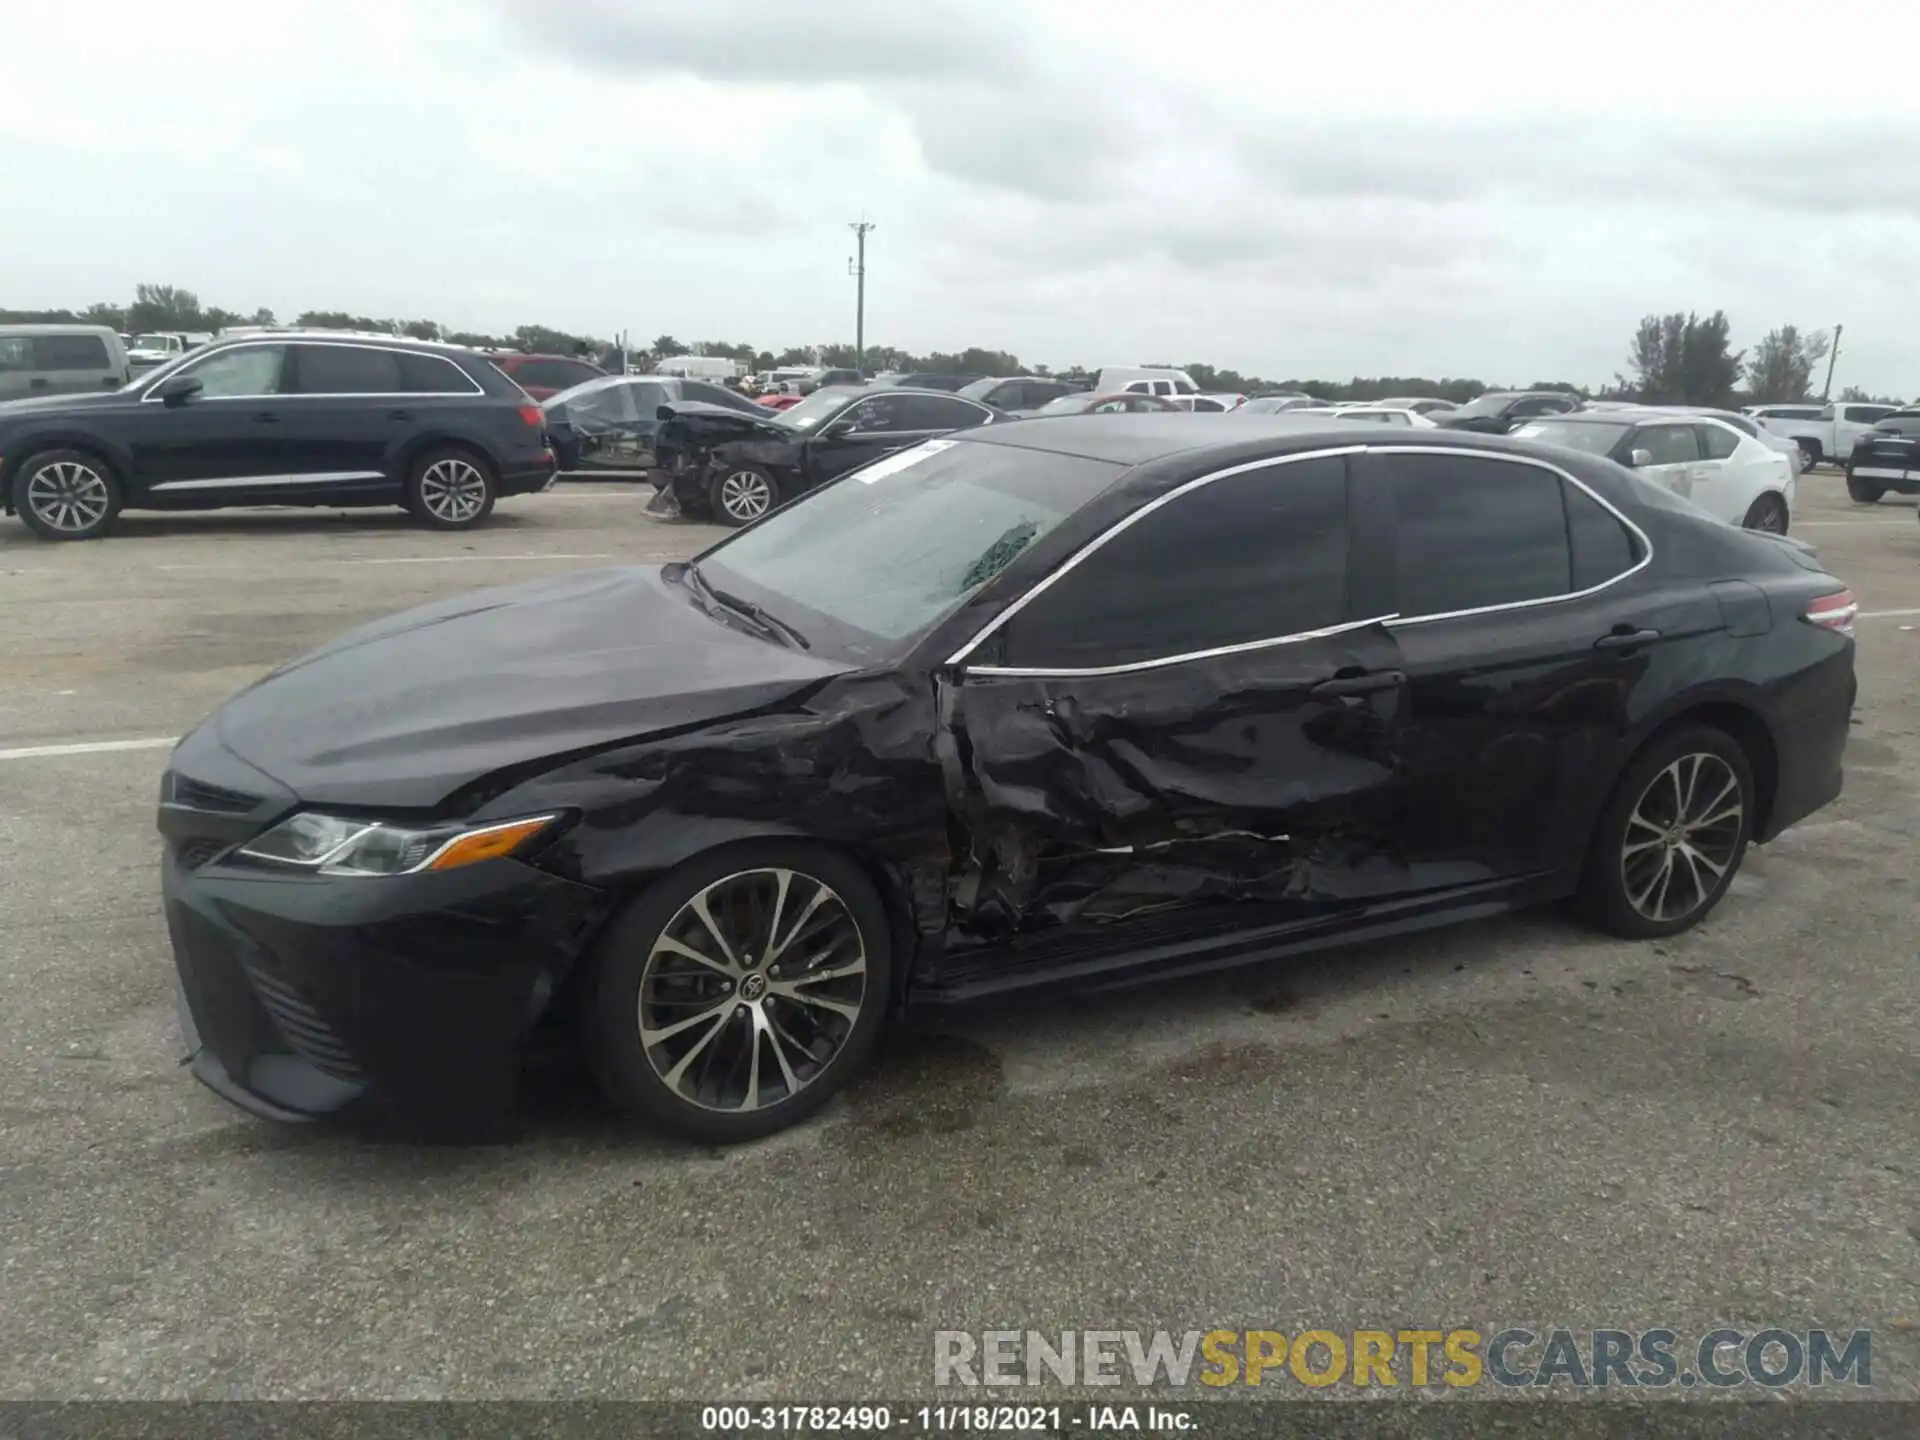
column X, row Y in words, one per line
column 1511, row 1123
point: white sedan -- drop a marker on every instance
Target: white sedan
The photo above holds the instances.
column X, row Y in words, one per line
column 1699, row 457
column 1363, row 414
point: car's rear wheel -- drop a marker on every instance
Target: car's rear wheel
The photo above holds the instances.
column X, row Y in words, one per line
column 66, row 495
column 1865, row 491
column 1672, row 835
column 741, row 494
column 451, row 489
column 1768, row 513
column 738, row 994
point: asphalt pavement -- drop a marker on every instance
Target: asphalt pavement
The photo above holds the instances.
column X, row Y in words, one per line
column 1509, row 1123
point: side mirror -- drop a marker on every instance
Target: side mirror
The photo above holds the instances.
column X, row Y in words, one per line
column 1640, row 458
column 176, row 390
column 836, row 430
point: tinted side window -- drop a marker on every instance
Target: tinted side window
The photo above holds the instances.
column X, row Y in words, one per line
column 345, row 370
column 70, row 352
column 1867, row 414
column 430, row 375
column 1602, row 546
column 1476, row 532
column 1716, row 443
column 935, row 412
column 235, row 374
column 1251, row 557
column 1667, row 444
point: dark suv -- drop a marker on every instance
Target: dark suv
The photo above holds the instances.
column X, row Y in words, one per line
column 282, row 419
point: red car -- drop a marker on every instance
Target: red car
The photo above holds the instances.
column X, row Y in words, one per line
column 545, row 376
column 781, row 402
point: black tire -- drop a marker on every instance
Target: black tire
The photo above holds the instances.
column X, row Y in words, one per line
column 823, row 1048
column 1768, row 513
column 741, row 494
column 66, row 495
column 1612, row 879
column 1809, row 452
column 1864, row 491
column 450, row 488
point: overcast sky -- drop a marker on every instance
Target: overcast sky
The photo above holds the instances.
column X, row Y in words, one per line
column 1375, row 188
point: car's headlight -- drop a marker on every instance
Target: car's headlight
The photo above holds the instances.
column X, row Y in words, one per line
column 330, row 845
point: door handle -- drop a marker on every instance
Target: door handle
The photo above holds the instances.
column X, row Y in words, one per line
column 1344, row 685
column 401, row 415
column 1622, row 638
column 266, row 417
column 39, row 382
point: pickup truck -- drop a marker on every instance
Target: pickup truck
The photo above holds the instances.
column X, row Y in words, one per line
column 1831, row 433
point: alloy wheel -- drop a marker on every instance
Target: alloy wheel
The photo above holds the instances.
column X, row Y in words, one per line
column 745, row 495
column 1772, row 518
column 1682, row 837
column 453, row 490
column 752, row 990
column 69, row 496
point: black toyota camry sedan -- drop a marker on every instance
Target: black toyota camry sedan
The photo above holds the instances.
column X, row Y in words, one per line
column 735, row 468
column 1060, row 702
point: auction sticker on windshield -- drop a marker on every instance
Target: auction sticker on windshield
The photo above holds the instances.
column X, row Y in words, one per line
column 894, row 464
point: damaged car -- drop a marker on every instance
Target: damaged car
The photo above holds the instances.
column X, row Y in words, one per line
column 1072, row 702
column 735, row 469
column 608, row 427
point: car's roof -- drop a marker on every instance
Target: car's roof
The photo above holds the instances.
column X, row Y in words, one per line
column 1208, row 441
column 70, row 328
column 346, row 337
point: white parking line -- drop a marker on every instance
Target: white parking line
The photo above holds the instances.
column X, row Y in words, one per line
column 90, row 747
column 1872, row 524
column 1886, row 614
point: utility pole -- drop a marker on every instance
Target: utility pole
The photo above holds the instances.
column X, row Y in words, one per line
column 858, row 269
column 1832, row 355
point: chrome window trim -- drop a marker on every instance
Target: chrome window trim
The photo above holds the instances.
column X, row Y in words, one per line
column 1646, row 544
column 1124, row 523
column 1035, row 672
column 1392, row 621
column 193, row 360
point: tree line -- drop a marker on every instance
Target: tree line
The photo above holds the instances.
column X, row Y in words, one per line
column 1677, row 358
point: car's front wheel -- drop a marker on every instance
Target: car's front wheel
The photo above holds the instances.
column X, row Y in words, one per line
column 1809, row 452
column 1672, row 835
column 66, row 495
column 741, row 494
column 1768, row 513
column 736, row 995
column 451, row 489
column 1865, row 491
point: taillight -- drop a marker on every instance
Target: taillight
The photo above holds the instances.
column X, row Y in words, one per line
column 1834, row 612
column 533, row 415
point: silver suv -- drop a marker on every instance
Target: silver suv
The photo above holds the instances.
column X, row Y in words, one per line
column 59, row 359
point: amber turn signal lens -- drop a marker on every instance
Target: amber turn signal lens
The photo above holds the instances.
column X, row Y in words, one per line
column 488, row 844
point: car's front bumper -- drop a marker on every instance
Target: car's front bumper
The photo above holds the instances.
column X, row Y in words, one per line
column 404, row 1000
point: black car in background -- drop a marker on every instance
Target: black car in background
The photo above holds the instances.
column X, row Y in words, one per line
column 281, row 419
column 975, row 721
column 1886, row 458
column 736, row 469
column 1500, row 411
column 607, row 427
column 1019, row 394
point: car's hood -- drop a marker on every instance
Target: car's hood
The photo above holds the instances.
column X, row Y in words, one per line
column 408, row 710
column 689, row 423
column 66, row 400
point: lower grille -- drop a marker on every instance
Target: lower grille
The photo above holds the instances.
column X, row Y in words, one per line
column 310, row 1037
